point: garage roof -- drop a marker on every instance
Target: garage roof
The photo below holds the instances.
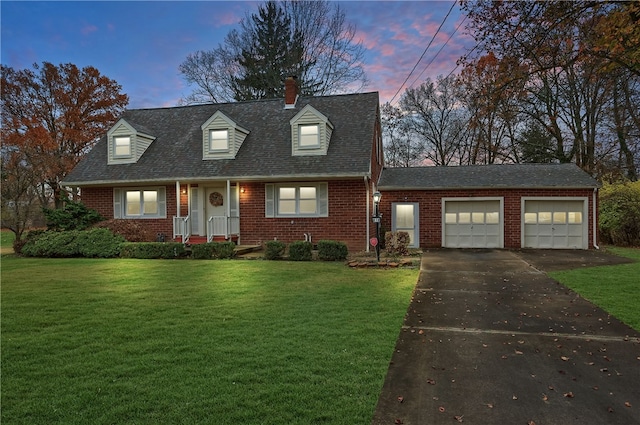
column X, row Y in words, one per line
column 507, row 176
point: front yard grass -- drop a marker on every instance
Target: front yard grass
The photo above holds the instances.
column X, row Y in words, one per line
column 614, row 288
column 196, row 342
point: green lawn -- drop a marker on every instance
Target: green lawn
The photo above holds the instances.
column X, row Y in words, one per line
column 614, row 288
column 196, row 342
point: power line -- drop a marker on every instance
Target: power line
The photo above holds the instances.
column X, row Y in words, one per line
column 423, row 53
column 438, row 52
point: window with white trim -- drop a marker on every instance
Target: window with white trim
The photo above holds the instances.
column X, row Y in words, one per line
column 218, row 140
column 290, row 200
column 309, row 136
column 122, row 146
column 139, row 203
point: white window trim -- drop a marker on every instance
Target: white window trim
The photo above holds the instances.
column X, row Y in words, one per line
column 314, row 146
column 115, row 145
column 120, row 203
column 272, row 200
column 218, row 150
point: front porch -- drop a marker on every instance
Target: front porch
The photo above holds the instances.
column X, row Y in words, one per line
column 207, row 212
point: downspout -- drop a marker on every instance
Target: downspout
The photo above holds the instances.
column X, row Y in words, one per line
column 177, row 198
column 227, row 210
column 366, row 185
column 594, row 219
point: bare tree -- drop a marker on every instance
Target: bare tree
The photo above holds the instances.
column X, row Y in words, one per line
column 401, row 147
column 332, row 59
column 435, row 115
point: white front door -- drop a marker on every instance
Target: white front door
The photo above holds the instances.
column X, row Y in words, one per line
column 215, row 202
column 472, row 224
column 404, row 218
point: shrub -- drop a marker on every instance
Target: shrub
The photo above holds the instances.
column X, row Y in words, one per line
column 52, row 244
column 130, row 230
column 220, row 250
column 74, row 243
column 224, row 250
column 332, row 250
column 18, row 244
column 274, row 250
column 152, row 250
column 300, row 251
column 397, row 243
column 73, row 216
column 620, row 214
column 100, row 243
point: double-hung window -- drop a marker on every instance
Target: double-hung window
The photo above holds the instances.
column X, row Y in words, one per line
column 309, row 136
column 218, row 140
column 122, row 146
column 140, row 203
column 288, row 200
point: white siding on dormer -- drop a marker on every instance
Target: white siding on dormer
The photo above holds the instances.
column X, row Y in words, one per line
column 309, row 116
column 139, row 143
column 237, row 134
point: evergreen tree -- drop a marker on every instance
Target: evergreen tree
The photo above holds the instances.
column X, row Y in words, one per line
column 276, row 53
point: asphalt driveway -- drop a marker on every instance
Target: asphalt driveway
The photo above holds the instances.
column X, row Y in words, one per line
column 490, row 339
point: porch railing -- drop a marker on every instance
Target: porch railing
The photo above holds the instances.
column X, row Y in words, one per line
column 182, row 228
column 220, row 225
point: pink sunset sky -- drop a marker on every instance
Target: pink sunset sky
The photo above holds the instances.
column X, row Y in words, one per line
column 141, row 44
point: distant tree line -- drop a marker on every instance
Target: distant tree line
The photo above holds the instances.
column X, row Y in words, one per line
column 554, row 82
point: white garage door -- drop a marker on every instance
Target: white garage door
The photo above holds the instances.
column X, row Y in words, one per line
column 472, row 224
column 559, row 224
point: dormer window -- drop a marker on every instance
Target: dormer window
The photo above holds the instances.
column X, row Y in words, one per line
column 221, row 137
column 310, row 132
column 309, row 136
column 127, row 142
column 218, row 140
column 122, row 146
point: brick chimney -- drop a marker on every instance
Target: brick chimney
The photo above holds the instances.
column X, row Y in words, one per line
column 290, row 92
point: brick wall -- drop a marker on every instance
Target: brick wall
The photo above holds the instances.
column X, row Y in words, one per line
column 346, row 222
column 430, row 210
column 101, row 200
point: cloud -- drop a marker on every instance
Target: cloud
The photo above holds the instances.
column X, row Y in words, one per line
column 88, row 29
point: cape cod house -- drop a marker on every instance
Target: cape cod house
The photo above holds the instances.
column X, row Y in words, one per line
column 306, row 168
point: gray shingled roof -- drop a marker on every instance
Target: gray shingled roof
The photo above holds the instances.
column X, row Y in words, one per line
column 176, row 154
column 503, row 176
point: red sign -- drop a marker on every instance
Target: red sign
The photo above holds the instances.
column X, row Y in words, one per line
column 373, row 241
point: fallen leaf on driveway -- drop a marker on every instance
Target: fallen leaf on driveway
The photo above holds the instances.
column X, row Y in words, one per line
column 431, row 381
column 531, row 423
column 458, row 418
column 544, row 397
column 627, row 404
column 569, row 394
column 400, row 399
column 519, row 352
column 564, row 358
column 398, row 421
column 490, row 406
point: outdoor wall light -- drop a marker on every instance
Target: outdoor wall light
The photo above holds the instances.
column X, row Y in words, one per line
column 376, row 219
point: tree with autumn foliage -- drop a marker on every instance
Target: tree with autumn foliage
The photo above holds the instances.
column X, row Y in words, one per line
column 53, row 115
column 579, row 67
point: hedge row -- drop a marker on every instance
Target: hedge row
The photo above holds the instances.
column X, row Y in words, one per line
column 102, row 242
column 301, row 250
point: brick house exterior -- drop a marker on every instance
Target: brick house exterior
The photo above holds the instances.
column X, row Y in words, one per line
column 306, row 168
column 267, row 180
column 534, row 205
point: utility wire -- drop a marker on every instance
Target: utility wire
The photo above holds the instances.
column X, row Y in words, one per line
column 438, row 52
column 423, row 53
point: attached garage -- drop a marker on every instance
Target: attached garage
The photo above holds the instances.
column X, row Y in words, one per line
column 554, row 223
column 548, row 206
column 472, row 223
